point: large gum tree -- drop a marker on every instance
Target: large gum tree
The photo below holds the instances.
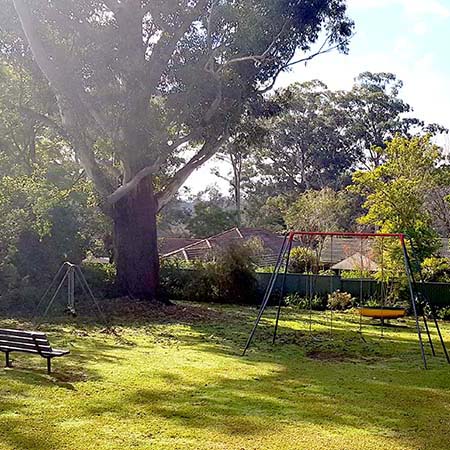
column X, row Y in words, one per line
column 146, row 91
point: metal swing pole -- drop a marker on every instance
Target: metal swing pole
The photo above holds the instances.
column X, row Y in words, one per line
column 283, row 283
column 432, row 309
column 54, row 295
column 88, row 292
column 53, row 282
column 410, row 278
column 331, row 285
column 268, row 291
column 310, row 289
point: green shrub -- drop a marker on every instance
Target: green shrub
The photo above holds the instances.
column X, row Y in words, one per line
column 101, row 278
column 339, row 300
column 444, row 313
column 303, row 260
column 229, row 277
column 358, row 274
column 436, row 269
column 298, row 301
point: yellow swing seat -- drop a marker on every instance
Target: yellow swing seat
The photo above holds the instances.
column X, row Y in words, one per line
column 382, row 312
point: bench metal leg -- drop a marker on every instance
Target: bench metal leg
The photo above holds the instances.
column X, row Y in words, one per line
column 8, row 362
column 49, row 365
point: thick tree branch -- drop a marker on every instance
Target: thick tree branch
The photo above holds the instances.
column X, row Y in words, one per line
column 164, row 48
column 126, row 188
column 207, row 151
column 56, row 67
column 44, row 120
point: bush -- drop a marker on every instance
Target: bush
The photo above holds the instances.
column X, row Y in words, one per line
column 100, row 278
column 436, row 269
column 357, row 274
column 300, row 302
column 303, row 260
column 444, row 313
column 228, row 278
column 339, row 300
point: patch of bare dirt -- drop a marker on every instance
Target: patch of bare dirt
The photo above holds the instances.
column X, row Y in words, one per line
column 125, row 308
column 321, row 355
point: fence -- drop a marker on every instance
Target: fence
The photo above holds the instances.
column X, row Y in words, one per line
column 321, row 285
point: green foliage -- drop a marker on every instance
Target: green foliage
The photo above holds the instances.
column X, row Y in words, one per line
column 394, row 193
column 296, row 300
column 266, row 212
column 444, row 313
column 227, row 278
column 101, row 278
column 436, row 269
column 210, row 219
column 375, row 114
column 303, row 260
column 41, row 226
column 338, row 300
column 356, row 274
column 324, row 210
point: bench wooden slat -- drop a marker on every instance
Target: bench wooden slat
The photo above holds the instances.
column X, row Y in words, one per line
column 39, row 340
column 11, row 348
column 5, row 343
column 22, row 333
column 22, row 340
column 28, row 342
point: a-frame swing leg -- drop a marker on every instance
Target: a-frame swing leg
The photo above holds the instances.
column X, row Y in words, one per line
column 427, row 329
column 438, row 329
column 267, row 293
column 283, row 283
column 432, row 310
column 409, row 276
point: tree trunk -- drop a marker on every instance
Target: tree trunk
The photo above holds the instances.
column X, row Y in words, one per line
column 135, row 242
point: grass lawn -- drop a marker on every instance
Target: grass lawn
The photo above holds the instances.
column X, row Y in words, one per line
column 176, row 380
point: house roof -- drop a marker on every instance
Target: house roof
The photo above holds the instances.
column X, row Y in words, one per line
column 357, row 261
column 170, row 244
column 271, row 242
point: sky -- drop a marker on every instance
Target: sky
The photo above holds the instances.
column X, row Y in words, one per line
column 406, row 37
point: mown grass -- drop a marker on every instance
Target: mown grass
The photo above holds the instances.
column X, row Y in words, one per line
column 178, row 381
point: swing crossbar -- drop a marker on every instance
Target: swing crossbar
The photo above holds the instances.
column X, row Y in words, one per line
column 292, row 234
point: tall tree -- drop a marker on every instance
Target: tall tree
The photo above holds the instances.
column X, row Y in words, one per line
column 149, row 77
column 395, row 192
column 304, row 146
column 374, row 113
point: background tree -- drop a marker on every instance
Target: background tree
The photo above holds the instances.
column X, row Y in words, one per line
column 237, row 150
column 324, row 210
column 209, row 219
column 142, row 79
column 394, row 192
column 374, row 113
column 304, row 146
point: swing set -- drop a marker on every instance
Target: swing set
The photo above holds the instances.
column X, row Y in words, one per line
column 324, row 245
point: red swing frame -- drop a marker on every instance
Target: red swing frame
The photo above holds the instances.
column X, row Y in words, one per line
column 413, row 290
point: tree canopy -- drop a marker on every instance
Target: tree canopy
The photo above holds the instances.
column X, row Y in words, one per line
column 135, row 86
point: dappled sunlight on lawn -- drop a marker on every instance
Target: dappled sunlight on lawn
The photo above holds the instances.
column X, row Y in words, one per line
column 164, row 384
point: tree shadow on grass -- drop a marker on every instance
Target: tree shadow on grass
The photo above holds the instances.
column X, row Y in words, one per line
column 352, row 386
column 277, row 386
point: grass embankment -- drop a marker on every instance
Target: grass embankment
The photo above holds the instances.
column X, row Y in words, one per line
column 179, row 382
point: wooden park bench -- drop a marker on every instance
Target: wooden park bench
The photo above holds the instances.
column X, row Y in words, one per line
column 28, row 342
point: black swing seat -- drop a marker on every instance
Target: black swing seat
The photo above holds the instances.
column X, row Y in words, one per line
column 28, row 342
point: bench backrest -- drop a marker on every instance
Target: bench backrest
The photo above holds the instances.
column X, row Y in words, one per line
column 24, row 341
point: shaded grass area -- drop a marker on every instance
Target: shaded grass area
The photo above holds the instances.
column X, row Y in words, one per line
column 176, row 379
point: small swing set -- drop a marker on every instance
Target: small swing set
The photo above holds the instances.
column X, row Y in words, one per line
column 417, row 299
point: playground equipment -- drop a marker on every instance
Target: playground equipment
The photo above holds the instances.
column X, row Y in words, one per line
column 382, row 312
column 71, row 273
column 317, row 240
